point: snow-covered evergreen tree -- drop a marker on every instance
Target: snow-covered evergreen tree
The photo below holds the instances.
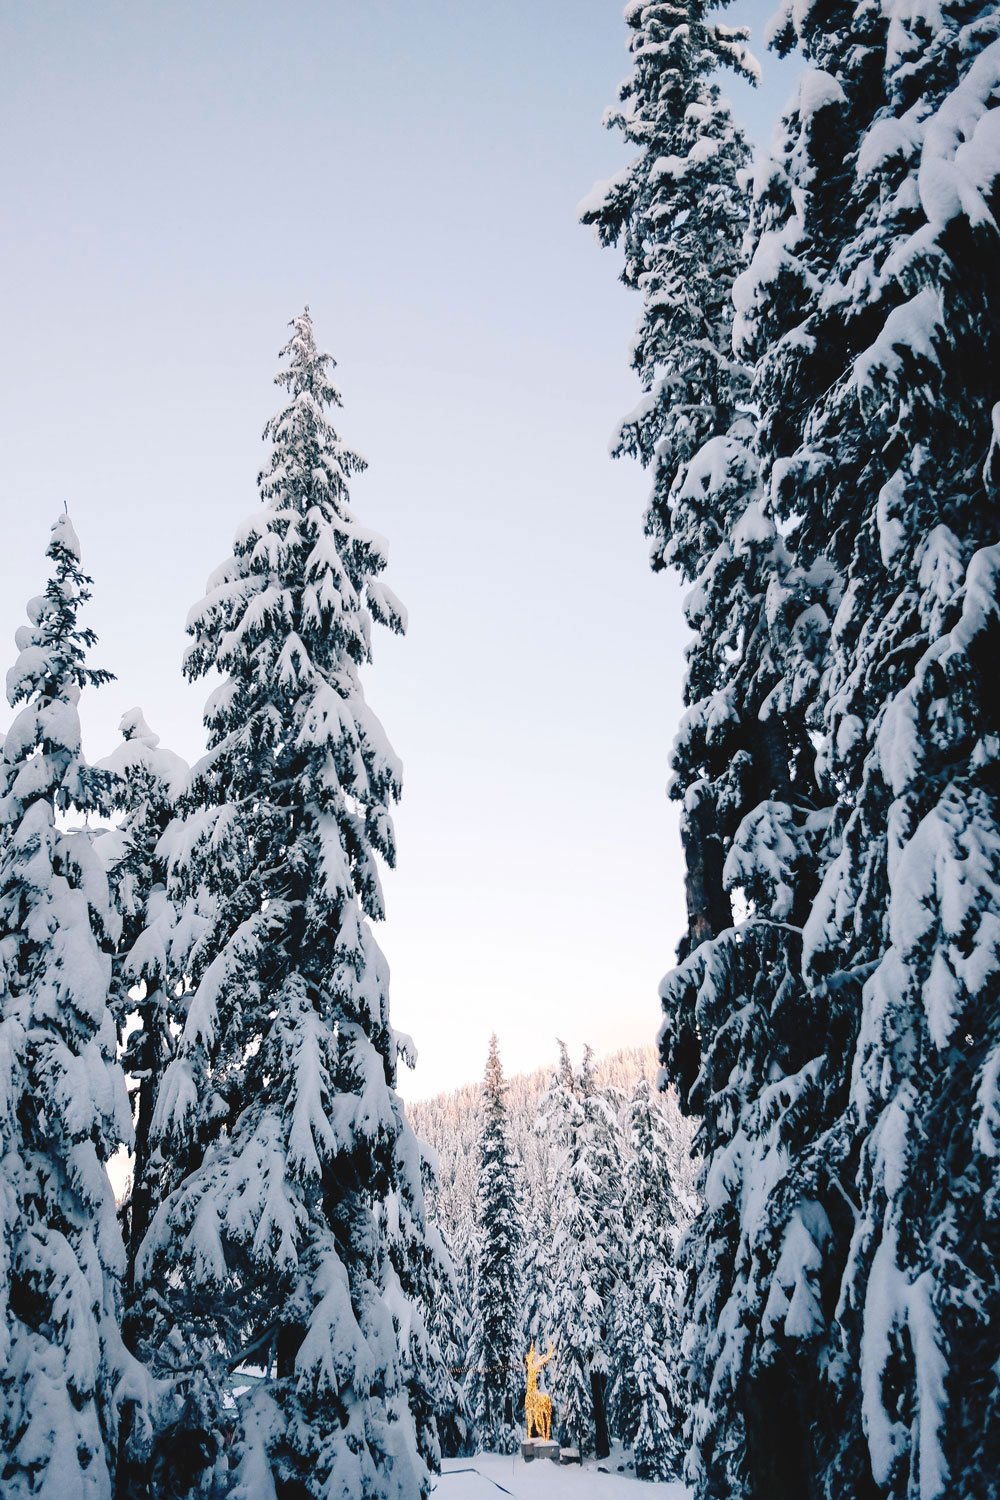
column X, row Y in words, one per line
column 837, row 1038
column 554, row 1127
column 301, row 1201
column 64, row 1372
column 587, row 1251
column 680, row 211
column 496, row 1387
column 538, row 1269
column 871, row 304
column 752, row 814
column 647, row 1398
column 450, row 1321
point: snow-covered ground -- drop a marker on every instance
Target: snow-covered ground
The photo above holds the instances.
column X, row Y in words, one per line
column 489, row 1476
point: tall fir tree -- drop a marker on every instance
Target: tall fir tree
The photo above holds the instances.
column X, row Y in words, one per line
column 450, row 1318
column 64, row 1373
column 647, row 1398
column 495, row 1383
column 872, row 308
column 834, row 1039
column 587, row 1251
column 301, row 1200
column 680, row 211
column 742, row 761
column 146, row 1003
column 538, row 1268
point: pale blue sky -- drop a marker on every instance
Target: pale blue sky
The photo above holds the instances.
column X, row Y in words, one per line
column 177, row 181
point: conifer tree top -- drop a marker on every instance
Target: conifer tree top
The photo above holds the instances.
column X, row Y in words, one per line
column 290, row 612
column 53, row 646
column 42, row 750
column 494, row 1085
column 308, row 457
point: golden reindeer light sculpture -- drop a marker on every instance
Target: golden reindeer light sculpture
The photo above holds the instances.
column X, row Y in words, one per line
column 537, row 1405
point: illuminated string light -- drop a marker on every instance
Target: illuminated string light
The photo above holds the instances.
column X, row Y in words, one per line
column 537, row 1405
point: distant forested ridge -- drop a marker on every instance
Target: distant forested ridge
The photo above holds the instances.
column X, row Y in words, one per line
column 448, row 1123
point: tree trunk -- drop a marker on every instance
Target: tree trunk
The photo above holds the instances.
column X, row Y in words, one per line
column 781, row 1408
column 708, row 908
column 141, row 1206
column 290, row 1337
column 776, row 1444
column 602, row 1445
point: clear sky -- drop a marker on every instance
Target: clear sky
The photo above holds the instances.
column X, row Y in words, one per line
column 179, row 179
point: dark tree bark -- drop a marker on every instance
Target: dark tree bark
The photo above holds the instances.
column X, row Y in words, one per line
column 708, row 908
column 602, row 1444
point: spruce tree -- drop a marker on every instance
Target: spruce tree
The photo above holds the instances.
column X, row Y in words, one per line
column 871, row 305
column 647, row 1397
column 841, row 1042
column 587, row 1252
column 450, row 1320
column 680, row 211
column 496, row 1387
column 559, row 1118
column 285, row 1242
column 538, row 1269
column 753, row 815
column 64, row 1372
